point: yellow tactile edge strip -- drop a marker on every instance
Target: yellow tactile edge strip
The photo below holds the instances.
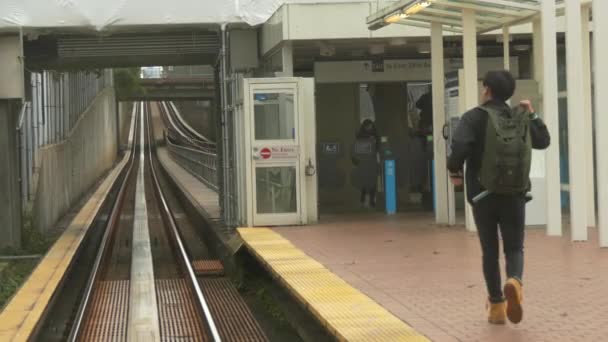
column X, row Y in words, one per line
column 346, row 312
column 22, row 313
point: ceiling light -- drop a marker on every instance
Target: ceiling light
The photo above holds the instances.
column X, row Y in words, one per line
column 395, row 17
column 521, row 47
column 417, row 7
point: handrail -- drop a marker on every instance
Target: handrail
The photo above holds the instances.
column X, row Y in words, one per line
column 211, row 154
column 178, row 124
column 187, row 126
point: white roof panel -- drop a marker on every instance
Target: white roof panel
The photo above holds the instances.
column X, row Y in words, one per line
column 103, row 15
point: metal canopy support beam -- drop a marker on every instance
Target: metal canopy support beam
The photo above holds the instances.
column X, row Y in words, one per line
column 408, row 22
column 480, row 8
column 512, row 4
column 469, row 42
column 551, row 117
column 600, row 36
column 439, row 120
column 457, row 14
column 588, row 115
column 438, row 19
column 576, row 124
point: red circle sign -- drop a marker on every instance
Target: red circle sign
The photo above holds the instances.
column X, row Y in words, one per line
column 265, row 153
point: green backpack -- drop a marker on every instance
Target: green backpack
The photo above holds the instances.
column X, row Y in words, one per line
column 507, row 156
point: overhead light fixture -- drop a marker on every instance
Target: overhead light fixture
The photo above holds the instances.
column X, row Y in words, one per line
column 416, row 7
column 521, row 48
column 400, row 14
column 394, row 18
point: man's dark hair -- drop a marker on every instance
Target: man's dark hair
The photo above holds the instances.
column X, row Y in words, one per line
column 501, row 84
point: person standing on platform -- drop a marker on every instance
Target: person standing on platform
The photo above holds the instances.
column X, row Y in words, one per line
column 425, row 135
column 364, row 155
column 425, row 105
column 495, row 142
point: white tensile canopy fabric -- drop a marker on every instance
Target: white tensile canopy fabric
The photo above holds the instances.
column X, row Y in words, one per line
column 113, row 14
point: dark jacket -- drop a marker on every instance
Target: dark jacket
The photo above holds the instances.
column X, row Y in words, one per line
column 425, row 104
column 469, row 139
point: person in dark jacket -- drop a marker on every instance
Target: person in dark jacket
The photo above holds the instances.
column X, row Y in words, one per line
column 425, row 104
column 365, row 157
column 495, row 211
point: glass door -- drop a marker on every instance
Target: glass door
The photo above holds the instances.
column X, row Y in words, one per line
column 275, row 154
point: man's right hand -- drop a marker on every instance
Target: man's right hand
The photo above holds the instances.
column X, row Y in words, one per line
column 527, row 104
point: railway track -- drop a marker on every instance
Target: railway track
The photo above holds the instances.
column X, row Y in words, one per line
column 152, row 278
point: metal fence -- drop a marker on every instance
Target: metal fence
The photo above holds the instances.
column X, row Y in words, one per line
column 201, row 164
column 54, row 103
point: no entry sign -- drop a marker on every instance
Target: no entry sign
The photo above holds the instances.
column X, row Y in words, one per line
column 265, row 153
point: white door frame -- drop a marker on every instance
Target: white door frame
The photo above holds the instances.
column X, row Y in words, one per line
column 298, row 161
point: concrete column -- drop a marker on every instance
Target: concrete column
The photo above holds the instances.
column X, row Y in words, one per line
column 551, row 116
column 537, row 43
column 469, row 42
column 439, row 147
column 287, row 59
column 576, row 124
column 10, row 194
column 505, row 48
column 600, row 36
column 588, row 115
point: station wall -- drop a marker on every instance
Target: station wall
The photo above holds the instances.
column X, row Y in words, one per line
column 71, row 167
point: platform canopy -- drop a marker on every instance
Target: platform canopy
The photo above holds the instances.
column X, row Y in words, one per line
column 117, row 15
column 489, row 14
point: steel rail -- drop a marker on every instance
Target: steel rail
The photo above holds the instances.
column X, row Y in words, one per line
column 184, row 258
column 76, row 328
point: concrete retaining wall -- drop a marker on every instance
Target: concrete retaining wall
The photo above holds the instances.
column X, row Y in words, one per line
column 69, row 169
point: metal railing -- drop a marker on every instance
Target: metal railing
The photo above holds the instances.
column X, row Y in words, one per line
column 54, row 103
column 201, row 164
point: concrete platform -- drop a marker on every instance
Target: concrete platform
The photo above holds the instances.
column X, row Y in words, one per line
column 348, row 314
column 431, row 278
column 206, row 198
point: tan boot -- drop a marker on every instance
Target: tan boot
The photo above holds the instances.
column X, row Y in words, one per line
column 514, row 294
column 496, row 313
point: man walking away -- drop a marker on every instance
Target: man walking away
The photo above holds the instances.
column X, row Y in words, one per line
column 496, row 141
